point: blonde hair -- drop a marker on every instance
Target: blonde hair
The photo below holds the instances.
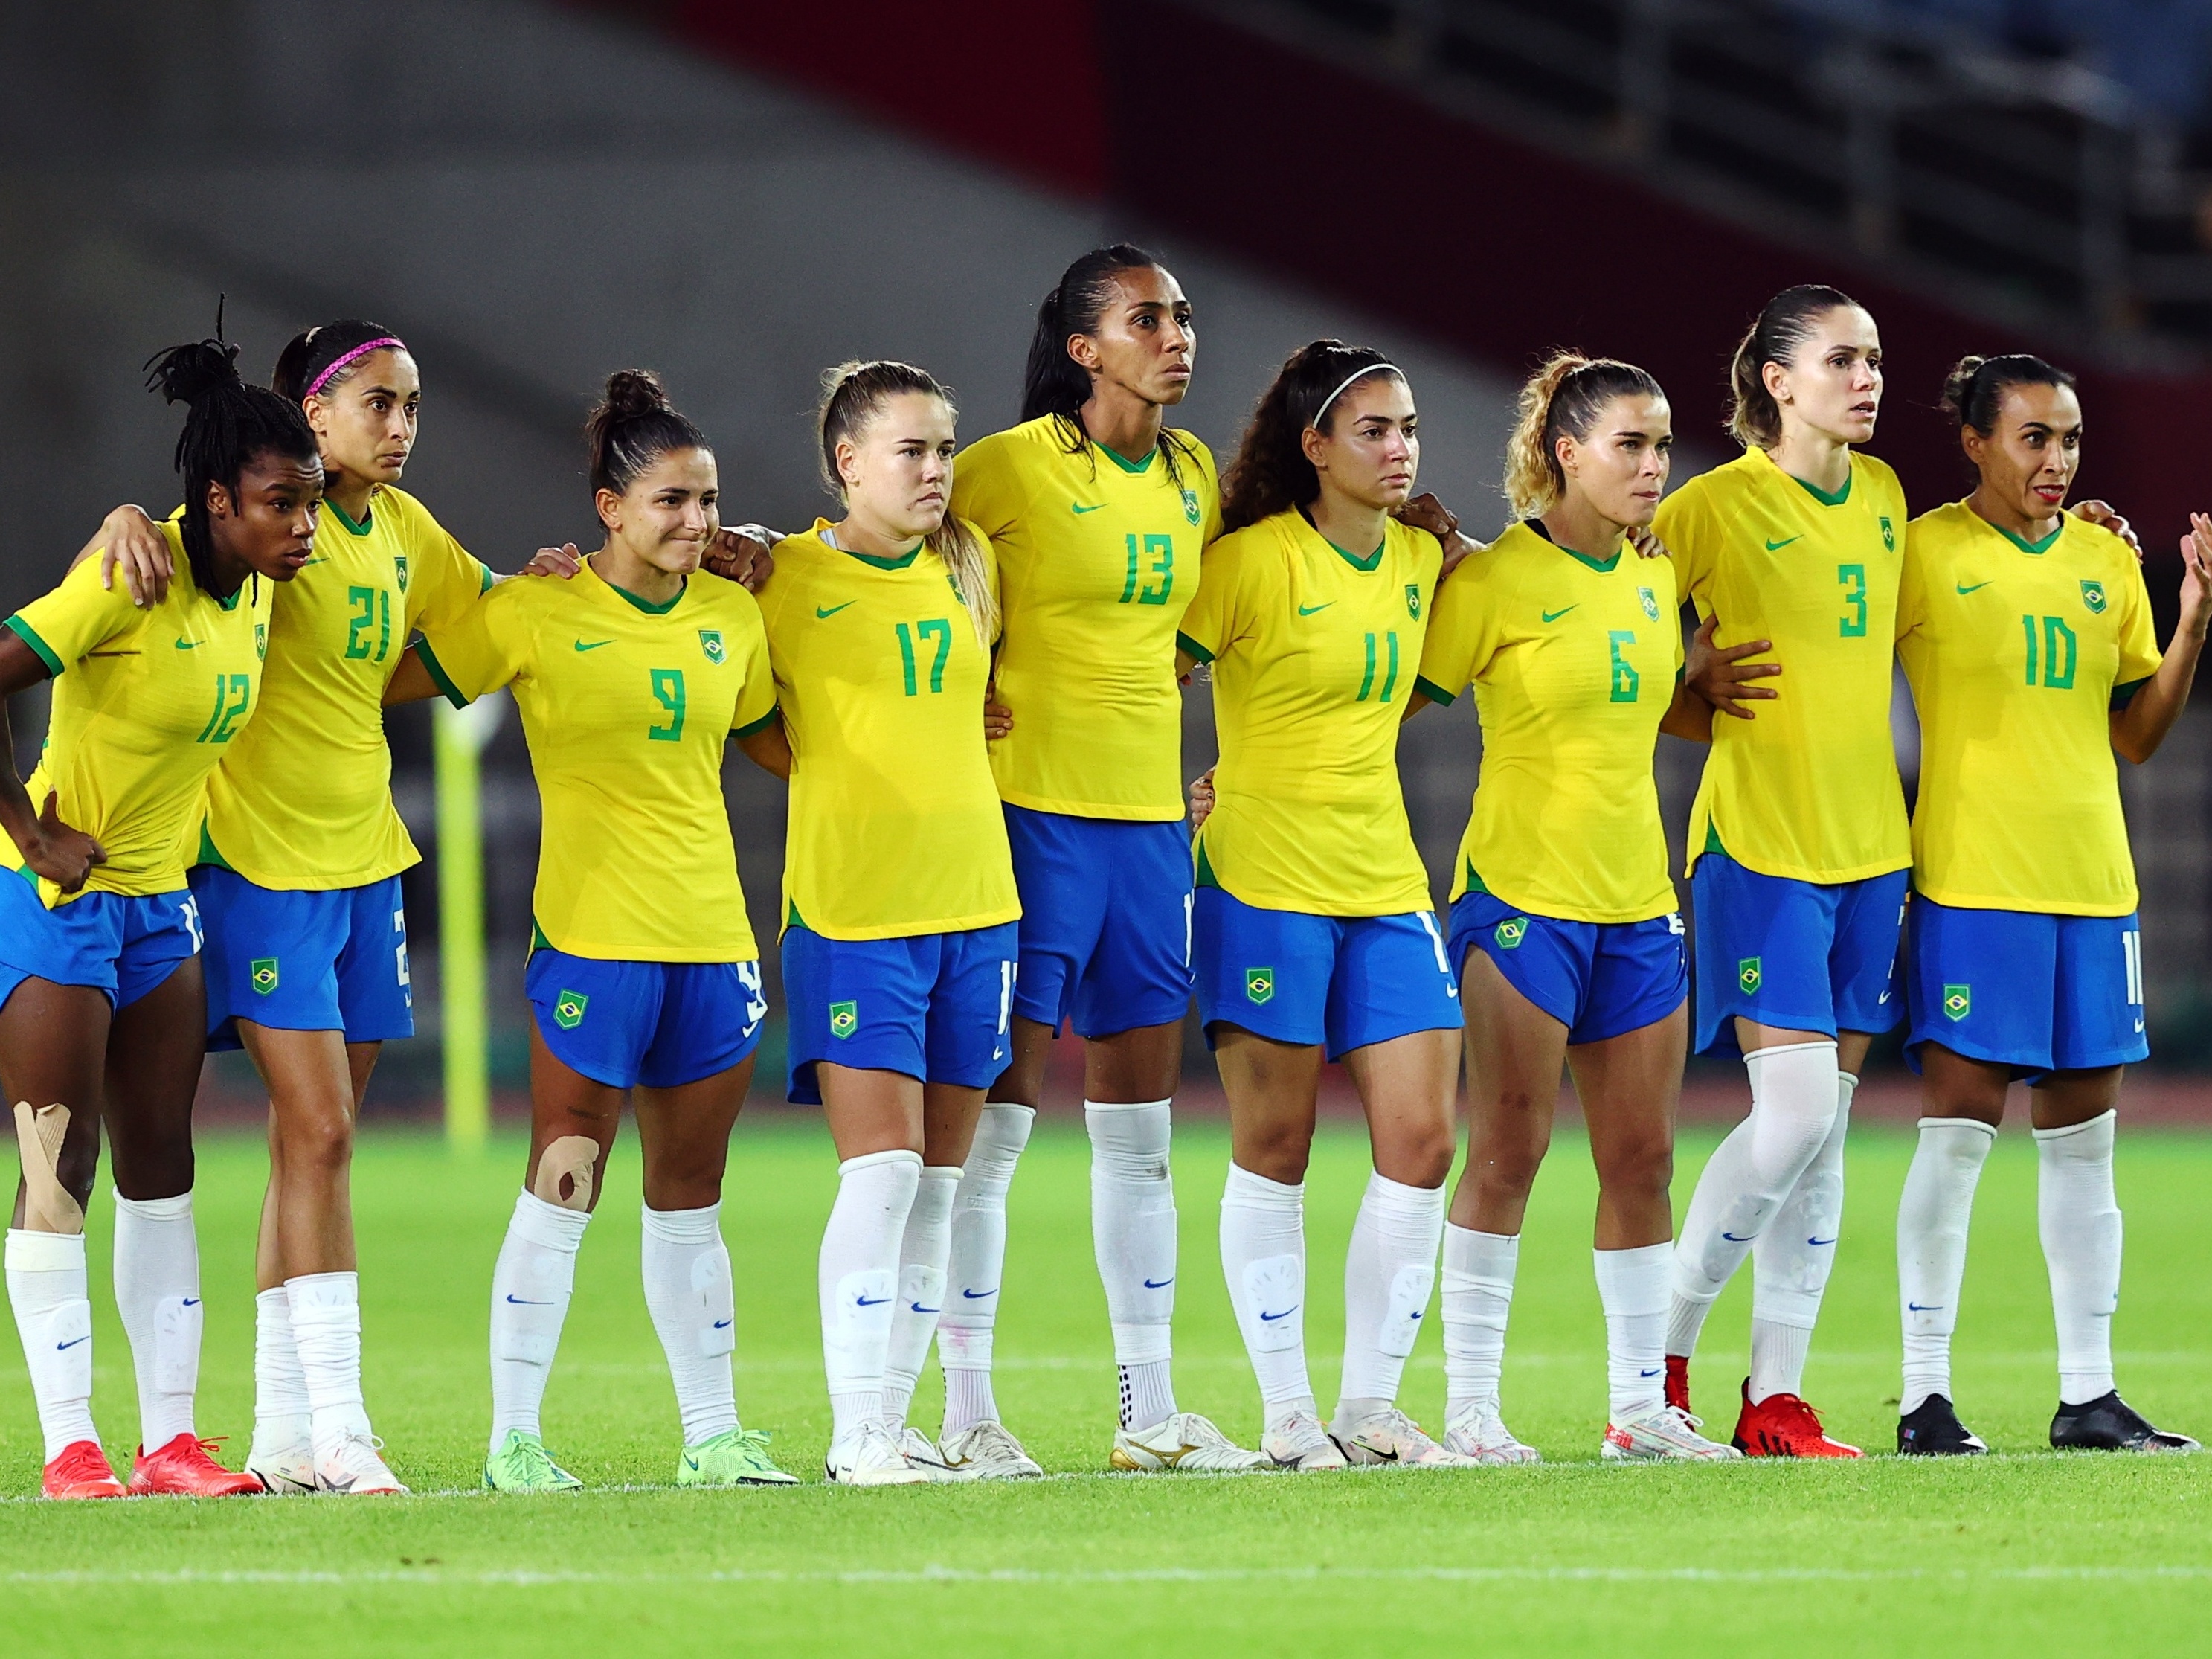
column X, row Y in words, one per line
column 853, row 395
column 1566, row 395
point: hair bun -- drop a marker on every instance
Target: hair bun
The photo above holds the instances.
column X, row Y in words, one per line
column 186, row 374
column 633, row 393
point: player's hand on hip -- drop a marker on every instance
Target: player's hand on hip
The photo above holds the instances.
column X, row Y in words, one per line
column 61, row 855
column 998, row 719
column 1201, row 799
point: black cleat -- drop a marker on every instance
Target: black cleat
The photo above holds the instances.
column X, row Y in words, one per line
column 2108, row 1423
column 1932, row 1428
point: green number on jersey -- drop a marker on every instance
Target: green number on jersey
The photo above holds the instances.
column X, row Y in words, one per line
column 232, row 692
column 372, row 608
column 1390, row 670
column 1853, row 578
column 937, row 627
column 668, row 692
column 1158, row 573
column 1626, row 680
column 2058, row 643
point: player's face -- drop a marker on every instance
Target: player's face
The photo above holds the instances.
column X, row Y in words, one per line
column 269, row 524
column 898, row 471
column 1833, row 385
column 1621, row 467
column 2030, row 459
column 1372, row 451
column 365, row 423
column 670, row 511
column 1145, row 340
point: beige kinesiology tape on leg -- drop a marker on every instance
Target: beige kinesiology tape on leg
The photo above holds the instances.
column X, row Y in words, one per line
column 47, row 1206
column 570, row 1157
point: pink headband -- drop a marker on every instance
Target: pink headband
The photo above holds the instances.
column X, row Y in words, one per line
column 323, row 378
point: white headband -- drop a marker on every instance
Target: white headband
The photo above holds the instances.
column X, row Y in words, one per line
column 1371, row 368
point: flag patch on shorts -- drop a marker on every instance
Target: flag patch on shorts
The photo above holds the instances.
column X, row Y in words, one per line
column 1747, row 976
column 1260, row 984
column 1958, row 1001
column 1510, row 933
column 844, row 1019
column 568, row 1008
column 264, row 975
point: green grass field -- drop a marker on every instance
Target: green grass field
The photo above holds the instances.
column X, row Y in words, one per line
column 2073, row 1553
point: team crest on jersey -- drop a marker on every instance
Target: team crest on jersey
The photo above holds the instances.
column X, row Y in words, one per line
column 1510, row 933
column 264, row 975
column 568, row 1008
column 1413, row 600
column 710, row 641
column 1747, row 976
column 1888, row 535
column 1260, row 984
column 1958, row 1001
column 261, row 642
column 2092, row 595
column 400, row 564
column 1190, row 505
column 1651, row 602
column 844, row 1019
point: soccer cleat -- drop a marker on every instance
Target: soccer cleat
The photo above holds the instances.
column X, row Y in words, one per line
column 1665, row 1435
column 2108, row 1423
column 1678, row 1381
column 1783, row 1426
column 1480, row 1433
column 354, row 1469
column 1932, row 1428
column 984, row 1451
column 918, row 1449
column 81, row 1471
column 1183, row 1440
column 869, row 1456
column 735, row 1457
column 185, row 1468
column 1298, row 1443
column 522, row 1464
column 1391, row 1437
column 283, row 1471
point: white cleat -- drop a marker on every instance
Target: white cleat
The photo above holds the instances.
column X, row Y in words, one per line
column 1391, row 1437
column 354, row 1468
column 918, row 1449
column 869, row 1456
column 1299, row 1444
column 1184, row 1440
column 284, row 1471
column 986, row 1451
column 1665, row 1435
column 1480, row 1433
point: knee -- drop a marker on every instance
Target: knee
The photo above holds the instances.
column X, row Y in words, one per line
column 1280, row 1152
column 1642, row 1168
column 1419, row 1160
column 1508, row 1147
column 317, row 1144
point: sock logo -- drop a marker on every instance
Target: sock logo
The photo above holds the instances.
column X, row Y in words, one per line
column 1747, row 976
column 1958, row 1001
column 1510, row 933
column 1260, row 984
column 844, row 1019
column 264, row 975
column 568, row 1008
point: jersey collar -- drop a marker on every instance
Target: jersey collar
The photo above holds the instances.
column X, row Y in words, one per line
column 367, row 517
column 1603, row 567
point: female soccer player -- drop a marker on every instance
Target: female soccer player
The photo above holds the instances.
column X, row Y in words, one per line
column 899, row 937
column 644, row 979
column 2026, row 637
column 1563, row 927
column 102, row 1009
column 1311, row 933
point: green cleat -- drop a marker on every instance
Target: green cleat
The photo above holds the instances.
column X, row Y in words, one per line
column 737, row 1457
column 521, row 1464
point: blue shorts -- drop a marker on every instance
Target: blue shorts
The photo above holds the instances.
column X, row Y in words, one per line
column 1105, row 923
column 932, row 1006
column 1345, row 982
column 1597, row 979
column 2037, row 993
column 328, row 960
column 659, row 1024
column 122, row 944
column 1800, row 956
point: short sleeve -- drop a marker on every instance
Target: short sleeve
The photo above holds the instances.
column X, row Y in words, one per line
column 76, row 617
column 487, row 646
column 1912, row 582
column 987, row 488
column 1461, row 640
column 2139, row 652
column 757, row 702
column 1221, row 612
column 444, row 579
column 1209, row 492
column 1688, row 525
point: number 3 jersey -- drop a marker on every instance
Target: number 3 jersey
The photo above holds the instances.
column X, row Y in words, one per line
column 2017, row 652
column 627, row 706
column 145, row 703
column 1807, row 790
column 895, row 825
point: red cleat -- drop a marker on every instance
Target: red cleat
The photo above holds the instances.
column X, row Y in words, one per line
column 1678, row 1381
column 184, row 1469
column 81, row 1471
column 1783, row 1426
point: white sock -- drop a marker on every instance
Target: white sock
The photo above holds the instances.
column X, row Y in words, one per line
column 858, row 1280
column 686, row 1269
column 1631, row 1288
column 157, row 1291
column 326, row 1329
column 1133, row 1232
column 1389, row 1273
column 2079, row 1219
column 530, row 1289
column 1794, row 1091
column 1932, row 1216
column 53, row 1316
column 923, row 1252
column 1263, row 1255
column 977, row 1264
column 281, row 1412
column 1792, row 1260
column 1479, row 1269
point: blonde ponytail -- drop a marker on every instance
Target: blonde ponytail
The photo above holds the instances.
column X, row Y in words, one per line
column 1563, row 396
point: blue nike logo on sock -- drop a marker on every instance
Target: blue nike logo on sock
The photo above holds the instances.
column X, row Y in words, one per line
column 1733, row 1239
column 1267, row 1318
column 722, row 1324
column 1648, row 1373
column 1820, row 1241
column 870, row 1301
column 1159, row 1284
column 524, row 1302
column 190, row 1301
column 918, row 1308
column 63, row 1348
column 977, row 1296
column 1924, row 1307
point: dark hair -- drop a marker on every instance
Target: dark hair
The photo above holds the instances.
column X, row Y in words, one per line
column 228, row 425
column 1054, row 383
column 307, row 358
column 1566, row 395
column 1271, row 473
column 633, row 426
column 1974, row 390
column 1781, row 328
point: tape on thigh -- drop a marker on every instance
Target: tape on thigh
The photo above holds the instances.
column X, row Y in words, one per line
column 47, row 1206
column 570, row 1157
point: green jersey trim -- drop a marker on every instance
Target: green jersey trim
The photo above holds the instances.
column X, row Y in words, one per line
column 1822, row 496
column 1713, row 839
column 1603, row 567
column 2027, row 546
column 1434, row 692
column 538, row 939
column 1187, row 645
column 896, row 561
column 489, row 579
column 445, row 681
column 1474, row 881
column 1125, row 463
column 648, row 605
column 208, row 853
column 368, row 518
column 1355, row 561
column 760, row 725
column 29, row 636
column 2124, row 694
column 236, row 594
column 1205, row 877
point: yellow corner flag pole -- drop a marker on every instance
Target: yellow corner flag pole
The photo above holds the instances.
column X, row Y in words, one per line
column 460, row 735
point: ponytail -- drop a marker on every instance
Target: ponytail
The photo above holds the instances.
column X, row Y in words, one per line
column 633, row 426
column 1052, row 382
column 1974, row 390
column 1565, row 396
column 1774, row 335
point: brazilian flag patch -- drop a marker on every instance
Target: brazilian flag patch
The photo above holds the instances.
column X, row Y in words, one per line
column 1958, row 1001
column 1190, row 505
column 568, row 1008
column 2092, row 595
column 264, row 975
column 1413, row 600
column 399, row 566
column 1747, row 976
column 1651, row 602
column 261, row 642
column 1260, row 984
column 844, row 1019
column 1510, row 933
column 710, row 641
column 1888, row 535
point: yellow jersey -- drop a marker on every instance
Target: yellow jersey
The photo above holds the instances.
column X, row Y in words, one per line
column 2017, row 652
column 627, row 707
column 1573, row 661
column 1808, row 790
column 895, row 825
column 303, row 799
column 1098, row 557
column 1314, row 654
column 145, row 703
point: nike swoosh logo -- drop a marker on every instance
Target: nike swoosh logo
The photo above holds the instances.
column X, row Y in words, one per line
column 722, row 1324
column 190, row 1301
column 190, row 644
column 1649, row 1373
column 1553, row 615
column 524, row 1302
column 1159, row 1284
column 1267, row 1318
column 2139, row 1028
column 870, row 1301
column 1080, row 509
column 918, row 1309
column 1776, row 547
column 1964, row 590
column 977, row 1296
column 1883, row 997
column 1924, row 1307
column 1817, row 1241
column 820, row 613
column 593, row 645
column 691, row 1462
column 1312, row 610
column 1733, row 1239
column 63, row 1348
